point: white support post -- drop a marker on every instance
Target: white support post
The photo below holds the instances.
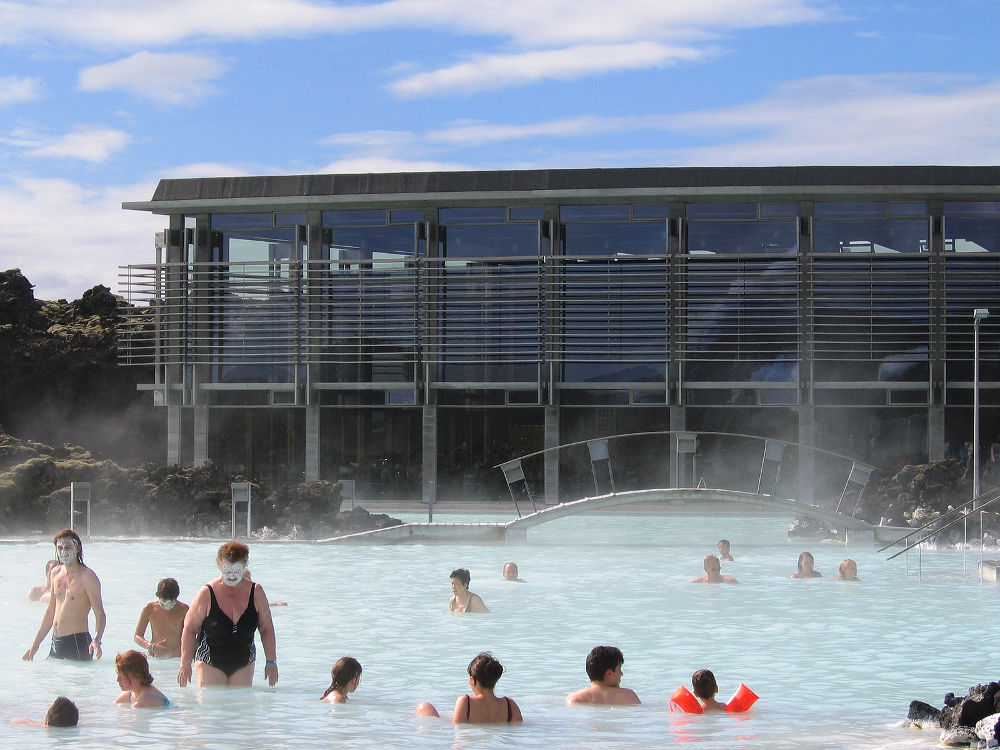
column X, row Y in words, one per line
column 241, row 494
column 79, row 492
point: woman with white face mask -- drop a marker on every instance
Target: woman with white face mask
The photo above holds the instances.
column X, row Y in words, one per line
column 219, row 629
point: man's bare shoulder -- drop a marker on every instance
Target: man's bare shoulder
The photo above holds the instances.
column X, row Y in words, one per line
column 581, row 697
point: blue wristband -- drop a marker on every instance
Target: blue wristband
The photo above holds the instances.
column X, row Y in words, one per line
column 271, row 661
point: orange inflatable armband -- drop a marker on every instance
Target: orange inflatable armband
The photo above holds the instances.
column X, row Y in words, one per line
column 742, row 699
column 684, row 700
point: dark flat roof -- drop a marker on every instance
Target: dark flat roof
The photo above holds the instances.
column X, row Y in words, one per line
column 309, row 189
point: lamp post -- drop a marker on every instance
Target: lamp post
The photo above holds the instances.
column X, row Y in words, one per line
column 979, row 314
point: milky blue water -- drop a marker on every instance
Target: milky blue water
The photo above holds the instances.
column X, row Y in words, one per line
column 836, row 664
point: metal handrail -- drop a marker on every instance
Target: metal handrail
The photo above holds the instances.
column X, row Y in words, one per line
column 938, row 530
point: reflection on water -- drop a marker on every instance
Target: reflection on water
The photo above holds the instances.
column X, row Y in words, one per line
column 835, row 664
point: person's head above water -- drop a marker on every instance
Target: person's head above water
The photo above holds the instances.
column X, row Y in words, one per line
column 69, row 546
column 485, row 670
column 510, row 571
column 704, row 684
column 232, row 562
column 724, row 546
column 601, row 659
column 62, row 713
column 806, row 559
column 134, row 665
column 849, row 570
column 168, row 590
column 462, row 576
column 712, row 565
column 346, row 669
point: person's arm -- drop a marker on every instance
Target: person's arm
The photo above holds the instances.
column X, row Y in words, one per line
column 140, row 629
column 515, row 711
column 461, row 715
column 196, row 614
column 43, row 629
column 265, row 626
column 124, row 697
column 92, row 585
column 477, row 604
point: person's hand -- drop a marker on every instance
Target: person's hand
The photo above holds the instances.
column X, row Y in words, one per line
column 30, row 653
column 95, row 648
column 184, row 675
column 271, row 673
column 159, row 648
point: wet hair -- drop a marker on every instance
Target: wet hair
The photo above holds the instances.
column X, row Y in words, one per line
column 704, row 684
column 844, row 565
column 463, row 575
column 704, row 563
column 62, row 713
column 485, row 670
column 601, row 659
column 345, row 670
column 168, row 589
column 233, row 552
column 725, row 542
column 70, row 534
column 134, row 664
column 803, row 556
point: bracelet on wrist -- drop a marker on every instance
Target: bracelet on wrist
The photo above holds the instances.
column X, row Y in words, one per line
column 97, row 641
column 271, row 661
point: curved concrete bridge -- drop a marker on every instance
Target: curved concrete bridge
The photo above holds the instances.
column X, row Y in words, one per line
column 505, row 532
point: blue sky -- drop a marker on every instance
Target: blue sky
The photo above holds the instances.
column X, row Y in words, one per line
column 99, row 99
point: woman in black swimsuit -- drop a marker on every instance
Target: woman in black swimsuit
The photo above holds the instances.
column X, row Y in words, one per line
column 220, row 625
column 483, row 707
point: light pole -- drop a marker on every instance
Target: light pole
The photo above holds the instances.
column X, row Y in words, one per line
column 979, row 314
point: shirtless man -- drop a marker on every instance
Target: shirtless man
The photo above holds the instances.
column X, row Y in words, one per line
column 75, row 591
column 166, row 618
column 604, row 668
column 713, row 572
column 510, row 573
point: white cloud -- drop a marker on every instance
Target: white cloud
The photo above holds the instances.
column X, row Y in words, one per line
column 371, row 163
column 88, row 142
column 14, row 89
column 486, row 72
column 166, row 78
column 66, row 238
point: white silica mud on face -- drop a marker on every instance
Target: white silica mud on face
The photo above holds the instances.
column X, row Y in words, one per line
column 835, row 663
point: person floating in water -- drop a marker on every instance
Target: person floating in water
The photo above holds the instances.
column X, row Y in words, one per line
column 510, row 573
column 76, row 590
column 705, row 689
column 848, row 571
column 724, row 553
column 136, row 682
column 42, row 593
column 463, row 600
column 344, row 678
column 165, row 616
column 62, row 713
column 604, row 668
column 221, row 622
column 713, row 572
column 805, row 567
column 482, row 707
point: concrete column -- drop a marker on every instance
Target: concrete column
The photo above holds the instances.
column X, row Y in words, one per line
column 312, row 443
column 935, row 433
column 552, row 458
column 174, row 434
column 428, row 473
column 807, row 457
column 200, row 434
column 678, row 423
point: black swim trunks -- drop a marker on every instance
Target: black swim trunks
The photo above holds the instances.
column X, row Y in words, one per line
column 75, row 646
column 224, row 644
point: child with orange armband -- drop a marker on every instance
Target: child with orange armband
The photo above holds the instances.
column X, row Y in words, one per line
column 703, row 699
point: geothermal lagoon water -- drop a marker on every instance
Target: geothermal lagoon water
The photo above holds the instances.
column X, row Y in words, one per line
column 836, row 664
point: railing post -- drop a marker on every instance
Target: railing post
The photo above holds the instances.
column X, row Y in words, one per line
column 599, row 452
column 241, row 494
column 79, row 492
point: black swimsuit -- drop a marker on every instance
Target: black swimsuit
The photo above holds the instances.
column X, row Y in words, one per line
column 226, row 645
column 510, row 711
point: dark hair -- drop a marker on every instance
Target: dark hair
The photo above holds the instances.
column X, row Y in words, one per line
column 725, row 542
column 62, row 713
column 704, row 684
column 601, row 659
column 463, row 575
column 70, row 534
column 135, row 665
column 485, row 670
column 167, row 589
column 233, row 552
column 803, row 556
column 345, row 670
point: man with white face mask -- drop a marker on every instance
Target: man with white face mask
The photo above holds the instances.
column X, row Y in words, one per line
column 166, row 618
column 76, row 590
column 217, row 644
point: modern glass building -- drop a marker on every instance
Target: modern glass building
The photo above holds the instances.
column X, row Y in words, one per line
column 411, row 331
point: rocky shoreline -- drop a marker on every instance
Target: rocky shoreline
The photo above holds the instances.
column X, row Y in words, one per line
column 972, row 721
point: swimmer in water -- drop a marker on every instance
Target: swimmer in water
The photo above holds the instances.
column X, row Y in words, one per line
column 344, row 678
column 805, row 567
column 62, row 713
column 510, row 573
column 136, row 682
column 705, row 688
column 165, row 617
column 42, row 593
column 482, row 707
column 463, row 600
column 848, row 571
column 713, row 572
column 604, row 668
column 724, row 553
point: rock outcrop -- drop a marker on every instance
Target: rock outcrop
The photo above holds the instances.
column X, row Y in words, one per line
column 972, row 720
